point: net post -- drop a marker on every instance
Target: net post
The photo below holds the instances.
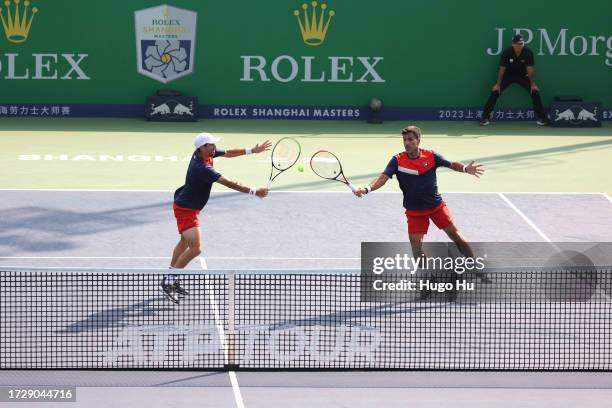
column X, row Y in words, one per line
column 231, row 322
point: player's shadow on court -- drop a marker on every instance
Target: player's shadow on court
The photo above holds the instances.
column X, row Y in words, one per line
column 355, row 316
column 545, row 153
column 109, row 318
column 40, row 229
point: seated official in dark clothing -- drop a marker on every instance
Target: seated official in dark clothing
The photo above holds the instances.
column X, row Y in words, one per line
column 516, row 66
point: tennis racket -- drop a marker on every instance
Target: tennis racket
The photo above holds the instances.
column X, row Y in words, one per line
column 327, row 165
column 285, row 154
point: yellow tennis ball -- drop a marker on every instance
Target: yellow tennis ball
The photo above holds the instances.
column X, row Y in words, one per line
column 300, row 168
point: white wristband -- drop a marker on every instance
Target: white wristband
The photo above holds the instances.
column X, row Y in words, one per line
column 248, row 151
column 464, row 169
column 368, row 189
column 252, row 191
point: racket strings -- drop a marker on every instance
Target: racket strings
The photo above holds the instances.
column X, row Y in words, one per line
column 326, row 165
column 285, row 154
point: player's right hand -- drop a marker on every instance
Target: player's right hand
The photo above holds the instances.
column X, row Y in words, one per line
column 360, row 192
column 496, row 88
column 261, row 192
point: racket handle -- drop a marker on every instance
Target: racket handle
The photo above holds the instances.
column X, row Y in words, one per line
column 352, row 187
column 269, row 184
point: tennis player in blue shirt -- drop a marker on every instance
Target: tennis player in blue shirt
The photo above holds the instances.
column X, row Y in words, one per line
column 415, row 169
column 190, row 199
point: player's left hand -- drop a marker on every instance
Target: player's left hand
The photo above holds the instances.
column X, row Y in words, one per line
column 534, row 88
column 474, row 169
column 262, row 147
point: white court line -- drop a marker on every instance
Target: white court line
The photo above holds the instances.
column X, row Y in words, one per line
column 539, row 231
column 203, row 263
column 236, row 258
column 236, row 388
column 607, row 196
column 85, row 257
column 293, row 191
column 525, row 218
column 87, row 190
column 275, row 258
column 536, row 192
column 215, row 308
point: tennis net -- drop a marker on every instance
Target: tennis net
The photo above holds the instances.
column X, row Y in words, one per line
column 524, row 319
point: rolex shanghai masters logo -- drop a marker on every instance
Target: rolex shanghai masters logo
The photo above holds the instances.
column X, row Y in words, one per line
column 17, row 21
column 314, row 22
column 165, row 42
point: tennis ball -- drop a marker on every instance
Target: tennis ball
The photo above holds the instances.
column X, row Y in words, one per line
column 300, row 168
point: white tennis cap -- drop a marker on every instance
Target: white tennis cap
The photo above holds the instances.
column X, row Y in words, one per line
column 204, row 138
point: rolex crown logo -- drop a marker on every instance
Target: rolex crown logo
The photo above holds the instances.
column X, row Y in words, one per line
column 16, row 27
column 314, row 29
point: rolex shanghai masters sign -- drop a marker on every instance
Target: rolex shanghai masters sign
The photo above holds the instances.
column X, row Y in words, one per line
column 165, row 42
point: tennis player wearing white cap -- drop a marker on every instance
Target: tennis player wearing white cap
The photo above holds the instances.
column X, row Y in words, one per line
column 191, row 198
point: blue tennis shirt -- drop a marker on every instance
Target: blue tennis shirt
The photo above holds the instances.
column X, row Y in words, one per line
column 198, row 182
column 417, row 178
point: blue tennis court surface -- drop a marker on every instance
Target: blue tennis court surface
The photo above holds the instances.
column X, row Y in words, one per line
column 286, row 230
column 122, row 229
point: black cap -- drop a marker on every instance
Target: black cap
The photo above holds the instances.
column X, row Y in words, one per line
column 518, row 39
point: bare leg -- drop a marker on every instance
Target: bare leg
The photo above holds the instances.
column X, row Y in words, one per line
column 192, row 240
column 185, row 250
column 458, row 238
column 178, row 250
column 465, row 248
column 416, row 242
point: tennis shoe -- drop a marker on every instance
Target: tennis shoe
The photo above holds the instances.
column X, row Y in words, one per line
column 484, row 277
column 179, row 289
column 424, row 294
column 169, row 291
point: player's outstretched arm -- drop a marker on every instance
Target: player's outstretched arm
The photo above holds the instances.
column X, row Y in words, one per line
column 260, row 147
column 472, row 168
column 259, row 192
column 377, row 183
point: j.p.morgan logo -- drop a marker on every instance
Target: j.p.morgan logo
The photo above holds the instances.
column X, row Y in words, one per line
column 314, row 23
column 562, row 42
column 165, row 42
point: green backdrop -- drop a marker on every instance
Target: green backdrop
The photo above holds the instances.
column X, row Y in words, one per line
column 435, row 52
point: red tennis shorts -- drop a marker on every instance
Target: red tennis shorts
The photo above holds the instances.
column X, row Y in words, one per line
column 185, row 218
column 418, row 220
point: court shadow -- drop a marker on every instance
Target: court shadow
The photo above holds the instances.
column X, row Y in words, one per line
column 109, row 318
column 41, row 229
